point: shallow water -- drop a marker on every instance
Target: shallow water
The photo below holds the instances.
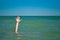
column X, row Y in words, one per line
column 30, row 28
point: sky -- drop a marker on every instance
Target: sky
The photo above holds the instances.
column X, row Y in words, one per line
column 29, row 7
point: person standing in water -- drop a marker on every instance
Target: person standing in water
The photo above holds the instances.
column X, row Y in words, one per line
column 17, row 23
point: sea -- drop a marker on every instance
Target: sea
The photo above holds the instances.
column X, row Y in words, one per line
column 30, row 28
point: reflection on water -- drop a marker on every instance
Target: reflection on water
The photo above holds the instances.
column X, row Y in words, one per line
column 27, row 36
column 10, row 36
column 19, row 36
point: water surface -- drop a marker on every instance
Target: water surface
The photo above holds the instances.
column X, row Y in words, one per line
column 30, row 28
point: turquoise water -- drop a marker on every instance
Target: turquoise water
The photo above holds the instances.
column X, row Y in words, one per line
column 30, row 28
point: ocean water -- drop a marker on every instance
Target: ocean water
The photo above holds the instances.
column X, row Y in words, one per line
column 30, row 28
